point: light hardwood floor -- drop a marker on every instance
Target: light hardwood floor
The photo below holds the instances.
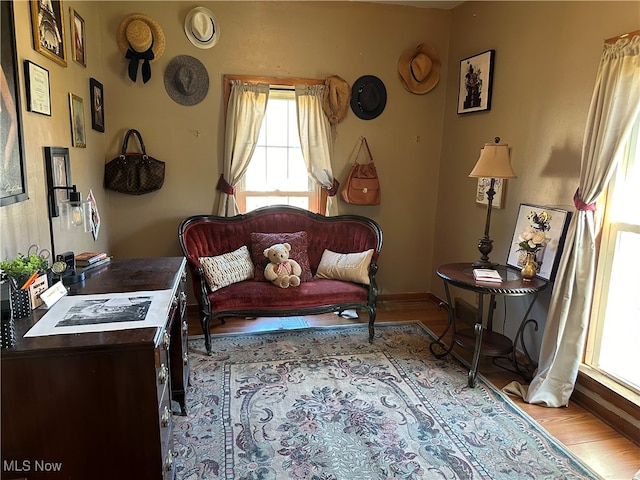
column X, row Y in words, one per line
column 601, row 447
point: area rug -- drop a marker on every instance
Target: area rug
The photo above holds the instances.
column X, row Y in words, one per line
column 324, row 404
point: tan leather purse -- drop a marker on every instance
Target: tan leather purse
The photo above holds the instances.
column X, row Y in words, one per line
column 362, row 186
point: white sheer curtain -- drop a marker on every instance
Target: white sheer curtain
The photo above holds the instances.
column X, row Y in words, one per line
column 316, row 140
column 614, row 106
column 245, row 112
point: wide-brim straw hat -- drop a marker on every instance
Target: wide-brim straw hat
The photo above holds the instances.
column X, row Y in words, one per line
column 336, row 99
column 186, row 80
column 141, row 32
column 419, row 69
column 368, row 97
column 201, row 27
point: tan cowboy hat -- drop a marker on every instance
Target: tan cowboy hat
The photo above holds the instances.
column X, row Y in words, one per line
column 141, row 33
column 201, row 27
column 419, row 69
column 336, row 99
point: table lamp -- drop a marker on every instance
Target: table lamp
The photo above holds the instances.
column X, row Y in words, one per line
column 494, row 162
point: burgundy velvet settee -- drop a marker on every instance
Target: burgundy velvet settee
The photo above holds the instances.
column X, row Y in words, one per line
column 206, row 237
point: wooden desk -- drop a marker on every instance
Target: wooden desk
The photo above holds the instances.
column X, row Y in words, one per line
column 481, row 341
column 98, row 405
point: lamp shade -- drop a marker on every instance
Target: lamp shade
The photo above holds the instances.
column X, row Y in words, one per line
column 494, row 162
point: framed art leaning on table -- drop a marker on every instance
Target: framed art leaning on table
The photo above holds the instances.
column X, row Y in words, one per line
column 540, row 231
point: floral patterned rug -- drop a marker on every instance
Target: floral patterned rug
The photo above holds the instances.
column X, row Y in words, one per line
column 324, row 404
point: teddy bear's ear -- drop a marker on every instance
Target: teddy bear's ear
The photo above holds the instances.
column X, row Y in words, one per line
column 266, row 252
column 287, row 246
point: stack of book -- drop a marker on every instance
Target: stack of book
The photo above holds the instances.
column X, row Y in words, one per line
column 486, row 275
column 88, row 260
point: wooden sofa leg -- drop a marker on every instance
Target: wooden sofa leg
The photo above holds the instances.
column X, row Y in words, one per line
column 372, row 320
column 205, row 322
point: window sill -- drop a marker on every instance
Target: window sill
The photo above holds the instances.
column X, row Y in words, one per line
column 616, row 405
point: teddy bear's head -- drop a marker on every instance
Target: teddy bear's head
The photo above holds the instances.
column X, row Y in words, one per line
column 278, row 253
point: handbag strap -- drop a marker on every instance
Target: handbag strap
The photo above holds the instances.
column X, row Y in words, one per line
column 125, row 142
column 363, row 141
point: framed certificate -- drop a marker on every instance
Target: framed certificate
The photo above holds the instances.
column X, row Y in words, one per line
column 37, row 86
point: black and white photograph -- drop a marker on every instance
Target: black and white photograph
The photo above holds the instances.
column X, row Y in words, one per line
column 48, row 29
column 476, row 82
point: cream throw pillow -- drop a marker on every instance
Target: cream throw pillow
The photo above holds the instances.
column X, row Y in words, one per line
column 351, row 267
column 228, row 268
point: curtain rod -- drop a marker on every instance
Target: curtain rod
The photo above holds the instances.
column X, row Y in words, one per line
column 624, row 35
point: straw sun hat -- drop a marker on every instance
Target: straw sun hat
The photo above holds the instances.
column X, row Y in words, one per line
column 419, row 69
column 140, row 37
column 336, row 99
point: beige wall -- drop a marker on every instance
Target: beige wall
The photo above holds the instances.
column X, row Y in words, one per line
column 546, row 58
column 547, row 55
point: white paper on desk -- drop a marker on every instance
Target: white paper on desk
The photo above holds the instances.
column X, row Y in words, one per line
column 104, row 312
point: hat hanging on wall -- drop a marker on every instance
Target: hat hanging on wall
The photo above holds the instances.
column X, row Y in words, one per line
column 336, row 99
column 368, row 97
column 140, row 38
column 419, row 69
column 201, row 27
column 186, row 80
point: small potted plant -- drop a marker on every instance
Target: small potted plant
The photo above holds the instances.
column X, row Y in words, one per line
column 18, row 272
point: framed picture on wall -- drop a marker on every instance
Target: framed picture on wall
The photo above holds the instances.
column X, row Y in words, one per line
column 475, row 82
column 97, row 105
column 13, row 179
column 78, row 133
column 540, row 230
column 77, row 38
column 37, row 87
column 498, row 186
column 47, row 24
column 58, row 169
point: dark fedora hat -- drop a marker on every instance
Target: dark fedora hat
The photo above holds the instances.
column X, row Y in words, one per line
column 186, row 80
column 368, row 97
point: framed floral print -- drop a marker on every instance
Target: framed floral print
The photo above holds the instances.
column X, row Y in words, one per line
column 47, row 23
column 540, row 231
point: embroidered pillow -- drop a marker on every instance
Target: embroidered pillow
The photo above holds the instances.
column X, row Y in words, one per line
column 350, row 267
column 299, row 243
column 228, row 268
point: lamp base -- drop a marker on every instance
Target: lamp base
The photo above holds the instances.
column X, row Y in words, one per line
column 484, row 264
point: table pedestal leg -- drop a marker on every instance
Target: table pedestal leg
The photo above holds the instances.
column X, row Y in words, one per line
column 445, row 349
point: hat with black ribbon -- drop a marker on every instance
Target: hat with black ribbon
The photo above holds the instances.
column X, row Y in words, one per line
column 140, row 39
column 419, row 69
column 186, row 80
column 201, row 27
column 368, row 97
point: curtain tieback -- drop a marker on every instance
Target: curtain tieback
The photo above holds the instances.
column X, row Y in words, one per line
column 224, row 186
column 134, row 57
column 580, row 205
column 334, row 188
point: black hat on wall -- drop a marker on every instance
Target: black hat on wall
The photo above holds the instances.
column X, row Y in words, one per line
column 368, row 97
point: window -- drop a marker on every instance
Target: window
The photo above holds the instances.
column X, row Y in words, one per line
column 277, row 173
column 614, row 333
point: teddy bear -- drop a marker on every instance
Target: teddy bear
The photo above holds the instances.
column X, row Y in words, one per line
column 281, row 270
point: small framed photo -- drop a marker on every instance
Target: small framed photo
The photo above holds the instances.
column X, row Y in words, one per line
column 78, row 133
column 483, row 186
column 58, row 169
column 77, row 38
column 97, row 105
column 38, row 89
column 542, row 231
column 48, row 29
column 476, row 82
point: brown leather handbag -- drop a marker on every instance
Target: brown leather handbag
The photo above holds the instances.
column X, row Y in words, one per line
column 134, row 173
column 362, row 186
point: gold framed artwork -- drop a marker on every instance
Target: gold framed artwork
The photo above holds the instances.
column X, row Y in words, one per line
column 48, row 29
column 483, row 186
column 78, row 132
column 78, row 50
